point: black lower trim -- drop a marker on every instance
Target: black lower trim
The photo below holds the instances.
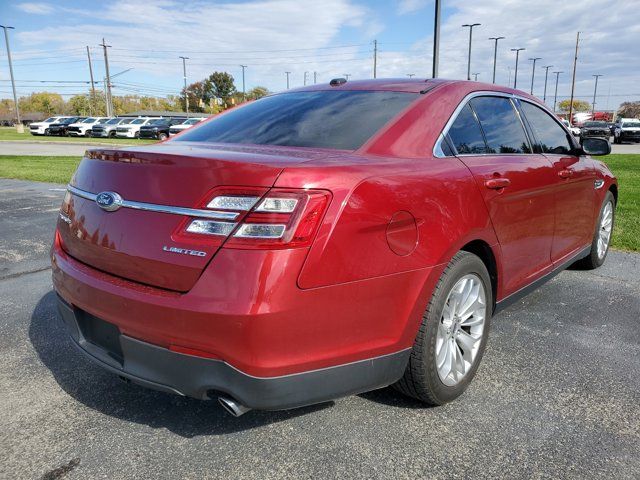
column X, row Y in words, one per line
column 162, row 369
column 524, row 291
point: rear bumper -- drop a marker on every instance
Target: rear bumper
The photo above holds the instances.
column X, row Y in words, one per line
column 165, row 370
column 247, row 314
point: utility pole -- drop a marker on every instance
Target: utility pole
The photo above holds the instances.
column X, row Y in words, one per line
column 347, row 75
column 287, row 74
column 515, row 74
column 495, row 55
column 436, row 38
column 509, row 82
column 305, row 77
column 595, row 90
column 109, row 105
column 375, row 57
column 475, row 76
column 533, row 72
column 315, row 77
column 93, row 88
column 410, row 75
column 555, row 96
column 573, row 81
column 244, row 93
column 546, row 74
column 184, row 76
column 470, row 25
column 19, row 126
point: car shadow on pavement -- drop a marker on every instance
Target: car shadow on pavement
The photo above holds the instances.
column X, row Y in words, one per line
column 106, row 393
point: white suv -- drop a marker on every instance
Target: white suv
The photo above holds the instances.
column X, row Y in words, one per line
column 132, row 130
column 186, row 124
column 83, row 128
column 40, row 128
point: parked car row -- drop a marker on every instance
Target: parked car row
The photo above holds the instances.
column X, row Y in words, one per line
column 110, row 127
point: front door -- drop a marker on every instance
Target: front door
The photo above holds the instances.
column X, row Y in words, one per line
column 575, row 196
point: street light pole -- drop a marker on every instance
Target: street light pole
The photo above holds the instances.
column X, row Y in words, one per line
column 515, row 74
column 475, row 76
column 410, row 75
column 546, row 74
column 19, row 126
column 436, row 39
column 595, row 90
column 533, row 72
column 287, row 74
column 555, row 96
column 470, row 25
column 244, row 92
column 184, row 76
column 495, row 55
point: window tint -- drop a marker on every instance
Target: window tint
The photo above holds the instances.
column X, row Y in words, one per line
column 551, row 136
column 465, row 133
column 324, row 119
column 501, row 125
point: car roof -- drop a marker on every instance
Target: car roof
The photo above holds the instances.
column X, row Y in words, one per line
column 411, row 85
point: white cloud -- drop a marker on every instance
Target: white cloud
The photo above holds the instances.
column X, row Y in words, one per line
column 410, row 6
column 35, row 8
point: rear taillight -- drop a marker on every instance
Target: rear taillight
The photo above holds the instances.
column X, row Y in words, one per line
column 281, row 218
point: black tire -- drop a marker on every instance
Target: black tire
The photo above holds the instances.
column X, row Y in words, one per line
column 162, row 136
column 46, row 132
column 112, row 134
column 136, row 135
column 421, row 379
column 593, row 261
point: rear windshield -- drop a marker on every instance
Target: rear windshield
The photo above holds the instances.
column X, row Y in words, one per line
column 327, row 119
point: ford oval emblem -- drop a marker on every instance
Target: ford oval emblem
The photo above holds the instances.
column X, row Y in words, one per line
column 109, row 201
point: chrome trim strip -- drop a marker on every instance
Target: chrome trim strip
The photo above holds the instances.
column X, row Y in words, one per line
column 152, row 207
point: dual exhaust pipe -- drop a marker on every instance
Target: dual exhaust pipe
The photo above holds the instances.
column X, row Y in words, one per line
column 234, row 408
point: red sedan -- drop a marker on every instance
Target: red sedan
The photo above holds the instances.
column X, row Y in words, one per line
column 326, row 241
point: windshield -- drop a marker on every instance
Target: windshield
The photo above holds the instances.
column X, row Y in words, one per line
column 113, row 121
column 325, row 119
column 595, row 124
column 631, row 125
column 67, row 121
column 89, row 120
column 160, row 121
column 191, row 121
column 51, row 119
column 137, row 121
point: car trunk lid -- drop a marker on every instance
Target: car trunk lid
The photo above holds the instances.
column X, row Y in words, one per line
column 145, row 245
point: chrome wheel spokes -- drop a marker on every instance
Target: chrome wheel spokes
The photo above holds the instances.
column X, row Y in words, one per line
column 604, row 230
column 460, row 329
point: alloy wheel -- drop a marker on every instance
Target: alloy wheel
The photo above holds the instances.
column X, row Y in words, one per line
column 460, row 329
column 604, row 231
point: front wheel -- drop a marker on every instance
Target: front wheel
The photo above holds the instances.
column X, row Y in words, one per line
column 453, row 333
column 602, row 235
column 162, row 137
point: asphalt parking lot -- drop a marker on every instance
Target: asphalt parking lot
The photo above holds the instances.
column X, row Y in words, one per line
column 557, row 394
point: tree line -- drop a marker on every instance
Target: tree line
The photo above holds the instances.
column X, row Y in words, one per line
column 211, row 95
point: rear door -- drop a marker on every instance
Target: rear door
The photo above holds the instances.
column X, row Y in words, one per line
column 575, row 177
column 517, row 185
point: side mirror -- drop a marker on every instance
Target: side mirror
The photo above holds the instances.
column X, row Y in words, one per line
column 596, row 146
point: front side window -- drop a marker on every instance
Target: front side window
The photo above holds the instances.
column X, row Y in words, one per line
column 465, row 133
column 501, row 126
column 342, row 120
column 138, row 121
column 552, row 138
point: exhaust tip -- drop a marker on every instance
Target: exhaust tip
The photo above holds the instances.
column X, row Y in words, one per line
column 234, row 408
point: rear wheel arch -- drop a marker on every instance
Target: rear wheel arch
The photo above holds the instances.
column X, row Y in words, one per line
column 483, row 250
column 614, row 191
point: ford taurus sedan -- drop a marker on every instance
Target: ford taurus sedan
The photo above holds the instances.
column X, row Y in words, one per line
column 326, row 241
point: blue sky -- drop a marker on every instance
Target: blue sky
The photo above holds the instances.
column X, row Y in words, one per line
column 332, row 38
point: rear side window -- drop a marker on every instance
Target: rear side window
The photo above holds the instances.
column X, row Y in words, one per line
column 552, row 138
column 501, row 126
column 326, row 119
column 465, row 133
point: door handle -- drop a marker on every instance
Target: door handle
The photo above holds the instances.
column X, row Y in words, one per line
column 497, row 183
column 565, row 173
